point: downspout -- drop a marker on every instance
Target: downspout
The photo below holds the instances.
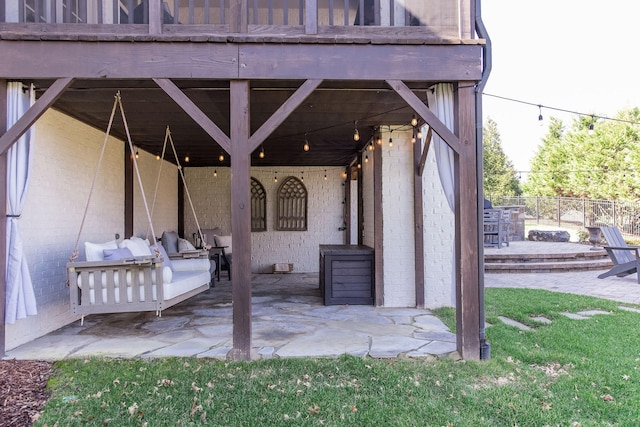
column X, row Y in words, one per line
column 485, row 346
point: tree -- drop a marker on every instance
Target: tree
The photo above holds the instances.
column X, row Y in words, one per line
column 595, row 159
column 500, row 177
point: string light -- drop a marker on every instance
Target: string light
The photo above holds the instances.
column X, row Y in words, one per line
column 370, row 146
column 591, row 126
column 305, row 147
column 356, row 134
column 157, row 156
column 366, row 159
column 215, row 172
column 325, row 174
column 221, row 157
column 275, row 178
column 413, row 137
column 186, row 158
column 419, row 134
column 302, row 176
column 261, row 155
column 540, row 118
column 414, row 121
column 137, row 154
column 379, row 139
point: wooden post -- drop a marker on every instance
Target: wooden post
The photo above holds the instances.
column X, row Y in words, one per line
column 378, row 223
column 128, row 192
column 3, row 211
column 238, row 16
column 347, row 207
column 418, row 221
column 155, row 16
column 241, row 218
column 311, row 17
column 466, row 223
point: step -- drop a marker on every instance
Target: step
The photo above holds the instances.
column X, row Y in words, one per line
column 546, row 262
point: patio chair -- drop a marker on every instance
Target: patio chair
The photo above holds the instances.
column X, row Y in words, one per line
column 493, row 228
column 625, row 258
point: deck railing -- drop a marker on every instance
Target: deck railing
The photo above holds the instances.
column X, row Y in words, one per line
column 443, row 17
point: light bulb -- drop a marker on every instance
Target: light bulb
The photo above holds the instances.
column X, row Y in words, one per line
column 215, row 172
column 366, row 158
column 390, row 142
column 356, row 135
column 305, row 147
column 414, row 120
column 157, row 156
column 261, row 155
column 379, row 140
column 186, row 158
column 137, row 155
column 419, row 134
column 221, row 157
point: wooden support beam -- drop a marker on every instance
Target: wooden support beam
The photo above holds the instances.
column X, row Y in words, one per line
column 238, row 20
column 241, row 218
column 347, row 207
column 282, row 113
column 418, row 221
column 425, row 151
column 467, row 242
column 195, row 113
column 378, row 227
column 3, row 212
column 38, row 109
column 427, row 115
column 128, row 192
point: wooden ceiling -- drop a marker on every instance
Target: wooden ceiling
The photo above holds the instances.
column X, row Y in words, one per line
column 326, row 118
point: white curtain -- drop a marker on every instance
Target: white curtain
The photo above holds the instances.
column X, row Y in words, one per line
column 21, row 300
column 441, row 102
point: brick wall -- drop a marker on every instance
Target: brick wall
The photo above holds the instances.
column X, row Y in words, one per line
column 212, row 200
column 439, row 235
column 398, row 230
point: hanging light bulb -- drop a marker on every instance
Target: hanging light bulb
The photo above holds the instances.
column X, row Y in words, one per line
column 359, row 165
column 302, row 176
column 325, row 174
column 419, row 134
column 379, row 139
column 186, row 158
column 215, row 172
column 356, row 134
column 540, row 118
column 157, row 156
column 366, row 159
column 591, row 126
column 261, row 155
column 344, row 174
column 275, row 178
column 137, row 154
column 413, row 137
column 370, row 146
column 390, row 142
column 414, row 120
column 305, row 147
column 221, row 157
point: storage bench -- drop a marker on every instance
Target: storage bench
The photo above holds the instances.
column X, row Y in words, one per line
column 347, row 274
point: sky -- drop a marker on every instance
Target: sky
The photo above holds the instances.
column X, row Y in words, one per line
column 576, row 55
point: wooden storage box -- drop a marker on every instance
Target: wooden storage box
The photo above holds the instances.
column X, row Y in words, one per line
column 347, row 274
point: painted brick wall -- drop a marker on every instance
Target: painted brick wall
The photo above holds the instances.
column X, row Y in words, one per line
column 164, row 213
column 398, row 230
column 439, row 237
column 65, row 156
column 368, row 214
column 212, row 199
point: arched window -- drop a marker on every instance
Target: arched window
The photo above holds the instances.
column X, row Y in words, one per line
column 292, row 206
column 258, row 206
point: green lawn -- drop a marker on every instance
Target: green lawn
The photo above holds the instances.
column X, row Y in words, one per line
column 567, row 373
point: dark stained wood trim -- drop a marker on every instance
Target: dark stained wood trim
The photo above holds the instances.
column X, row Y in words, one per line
column 241, row 218
column 155, row 16
column 3, row 211
column 347, row 207
column 195, row 113
column 311, row 17
column 467, row 242
column 181, row 206
column 282, row 113
column 128, row 192
column 33, row 113
column 360, row 202
column 378, row 222
column 425, row 151
column 423, row 111
column 302, row 61
column 418, row 220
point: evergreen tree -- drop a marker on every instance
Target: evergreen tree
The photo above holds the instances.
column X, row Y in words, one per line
column 500, row 177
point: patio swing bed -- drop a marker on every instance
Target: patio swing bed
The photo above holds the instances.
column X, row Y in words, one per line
column 135, row 274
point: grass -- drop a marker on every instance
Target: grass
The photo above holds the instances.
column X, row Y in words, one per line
column 566, row 373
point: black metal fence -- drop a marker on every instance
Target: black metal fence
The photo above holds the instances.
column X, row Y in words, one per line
column 572, row 212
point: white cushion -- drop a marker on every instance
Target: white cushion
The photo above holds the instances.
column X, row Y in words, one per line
column 94, row 251
column 224, row 241
column 185, row 245
column 137, row 246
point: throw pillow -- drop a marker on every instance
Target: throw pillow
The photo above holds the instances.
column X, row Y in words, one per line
column 137, row 246
column 185, row 245
column 94, row 251
column 224, row 241
column 117, row 254
column 170, row 241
